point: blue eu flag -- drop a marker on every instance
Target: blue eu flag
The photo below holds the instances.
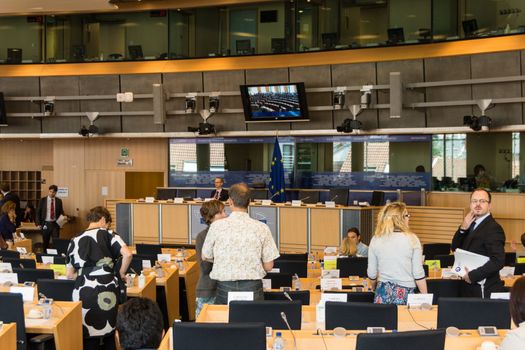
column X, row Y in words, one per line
column 276, row 184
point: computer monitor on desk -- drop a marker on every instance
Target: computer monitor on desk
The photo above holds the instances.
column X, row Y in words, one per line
column 135, row 52
column 14, row 56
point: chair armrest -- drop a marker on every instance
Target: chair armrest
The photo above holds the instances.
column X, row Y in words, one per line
column 41, row 338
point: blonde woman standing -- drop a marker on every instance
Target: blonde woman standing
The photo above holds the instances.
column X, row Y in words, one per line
column 395, row 261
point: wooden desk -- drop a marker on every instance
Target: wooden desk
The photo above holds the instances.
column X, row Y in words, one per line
column 306, row 340
column 148, row 291
column 31, row 231
column 24, row 243
column 65, row 324
column 170, row 282
column 191, row 277
column 219, row 313
column 8, row 336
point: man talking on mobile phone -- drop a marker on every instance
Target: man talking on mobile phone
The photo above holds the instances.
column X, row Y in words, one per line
column 481, row 234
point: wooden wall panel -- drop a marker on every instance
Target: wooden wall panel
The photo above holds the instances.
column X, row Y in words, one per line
column 96, row 179
column 175, row 223
column 435, row 224
column 325, row 228
column 293, row 228
column 25, row 154
column 146, row 223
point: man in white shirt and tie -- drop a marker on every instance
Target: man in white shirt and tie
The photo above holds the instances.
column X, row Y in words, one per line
column 49, row 210
column 219, row 193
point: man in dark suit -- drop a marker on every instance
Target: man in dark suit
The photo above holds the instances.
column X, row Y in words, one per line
column 49, row 210
column 219, row 192
column 481, row 234
column 11, row 197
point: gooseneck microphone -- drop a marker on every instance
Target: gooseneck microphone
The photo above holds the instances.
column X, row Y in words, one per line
column 287, row 297
column 305, row 198
column 283, row 316
column 334, row 197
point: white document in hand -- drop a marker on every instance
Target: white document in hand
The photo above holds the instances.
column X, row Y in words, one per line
column 464, row 258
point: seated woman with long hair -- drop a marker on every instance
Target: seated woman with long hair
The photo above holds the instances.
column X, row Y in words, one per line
column 395, row 260
column 515, row 339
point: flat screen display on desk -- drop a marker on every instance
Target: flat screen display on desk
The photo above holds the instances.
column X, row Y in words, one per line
column 274, row 103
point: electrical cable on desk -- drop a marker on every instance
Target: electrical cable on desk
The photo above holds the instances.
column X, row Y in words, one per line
column 320, row 332
column 413, row 319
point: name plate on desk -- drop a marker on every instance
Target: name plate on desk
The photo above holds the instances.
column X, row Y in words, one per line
column 6, row 268
column 8, row 277
column 331, row 284
column 52, row 251
column 146, row 264
column 247, row 296
column 329, row 204
column 419, row 299
column 504, row 296
column 296, row 203
column 338, row 297
column 448, row 273
column 150, row 199
column 330, row 273
column 163, row 257
column 267, row 283
column 48, row 260
column 28, row 293
column 266, row 202
column 507, row 271
column 178, row 200
column 21, row 250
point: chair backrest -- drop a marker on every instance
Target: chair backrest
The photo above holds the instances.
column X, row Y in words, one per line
column 57, row 259
column 186, row 193
column 280, row 279
column 359, row 316
column 357, row 297
column 445, row 260
column 148, row 249
column 61, row 290
column 21, row 263
column 61, row 245
column 9, row 254
column 294, row 257
column 510, row 258
column 309, row 197
column 175, row 245
column 219, row 336
column 470, row 313
column 302, row 295
column 519, row 269
column 339, row 195
column 268, row 312
column 33, row 275
column 443, row 288
column 411, row 340
column 293, row 267
column 378, row 198
column 430, row 250
column 12, row 310
column 352, row 267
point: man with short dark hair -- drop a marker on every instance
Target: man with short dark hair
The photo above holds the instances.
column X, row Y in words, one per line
column 242, row 249
column 139, row 325
column 481, row 234
column 10, row 196
column 219, row 193
column 49, row 210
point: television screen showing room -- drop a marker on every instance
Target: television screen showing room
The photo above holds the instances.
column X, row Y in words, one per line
column 274, row 101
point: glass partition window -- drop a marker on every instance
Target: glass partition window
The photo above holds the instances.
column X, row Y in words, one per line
column 449, row 156
column 377, row 157
column 342, row 158
column 183, row 157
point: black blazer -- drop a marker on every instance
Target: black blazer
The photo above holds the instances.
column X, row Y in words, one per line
column 222, row 197
column 42, row 208
column 487, row 239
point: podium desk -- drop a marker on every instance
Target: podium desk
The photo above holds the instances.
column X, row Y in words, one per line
column 148, row 291
column 8, row 336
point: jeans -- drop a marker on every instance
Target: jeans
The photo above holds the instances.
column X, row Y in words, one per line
column 223, row 288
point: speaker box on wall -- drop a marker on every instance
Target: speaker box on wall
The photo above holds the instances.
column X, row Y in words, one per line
column 159, row 104
column 3, row 115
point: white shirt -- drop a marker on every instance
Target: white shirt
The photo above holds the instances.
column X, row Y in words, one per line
column 515, row 339
column 48, row 209
column 480, row 219
column 238, row 246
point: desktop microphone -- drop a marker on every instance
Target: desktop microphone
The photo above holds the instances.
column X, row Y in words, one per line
column 307, row 197
column 287, row 296
column 283, row 316
column 334, row 197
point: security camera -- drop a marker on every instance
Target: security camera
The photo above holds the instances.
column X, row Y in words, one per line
column 366, row 96
column 203, row 129
column 190, row 103
column 213, row 104
column 339, row 100
column 477, row 123
column 49, row 106
column 349, row 125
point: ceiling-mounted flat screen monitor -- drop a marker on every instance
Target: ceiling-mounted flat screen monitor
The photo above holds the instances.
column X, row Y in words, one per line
column 284, row 102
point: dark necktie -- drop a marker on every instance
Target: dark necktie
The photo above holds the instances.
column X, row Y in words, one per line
column 217, row 194
column 52, row 210
column 472, row 226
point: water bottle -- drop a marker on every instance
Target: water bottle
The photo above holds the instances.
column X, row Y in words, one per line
column 180, row 264
column 311, row 260
column 278, row 342
column 142, row 280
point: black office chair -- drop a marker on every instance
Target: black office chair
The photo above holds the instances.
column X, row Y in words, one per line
column 184, row 193
column 9, row 254
column 32, row 275
column 293, row 267
column 309, row 197
column 294, row 257
column 57, row 259
column 339, row 196
column 268, row 312
column 359, row 316
column 444, row 260
column 148, row 249
column 280, row 279
column 12, row 311
column 302, row 295
column 219, row 336
column 430, row 250
column 61, row 245
column 357, row 297
column 510, row 259
column 470, row 313
column 411, row 340
column 352, row 267
column 378, row 198
column 443, row 288
column 176, row 246
column 519, row 269
column 21, row 263
column 61, row 290
column 425, row 268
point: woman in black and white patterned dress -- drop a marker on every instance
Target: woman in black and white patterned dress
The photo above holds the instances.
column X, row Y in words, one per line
column 91, row 260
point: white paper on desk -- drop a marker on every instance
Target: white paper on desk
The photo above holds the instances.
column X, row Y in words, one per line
column 28, row 293
column 164, row 258
column 448, row 273
column 150, row 199
column 266, row 202
column 330, row 273
column 8, row 277
column 464, row 258
column 6, row 267
column 248, row 296
column 296, row 203
column 52, row 251
column 331, row 284
column 21, row 250
column 22, row 235
column 419, row 299
column 178, row 200
column 146, row 264
column 62, row 220
column 339, row 297
column 507, row 271
column 504, row 296
column 48, row 260
column 267, row 283
column 330, row 250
